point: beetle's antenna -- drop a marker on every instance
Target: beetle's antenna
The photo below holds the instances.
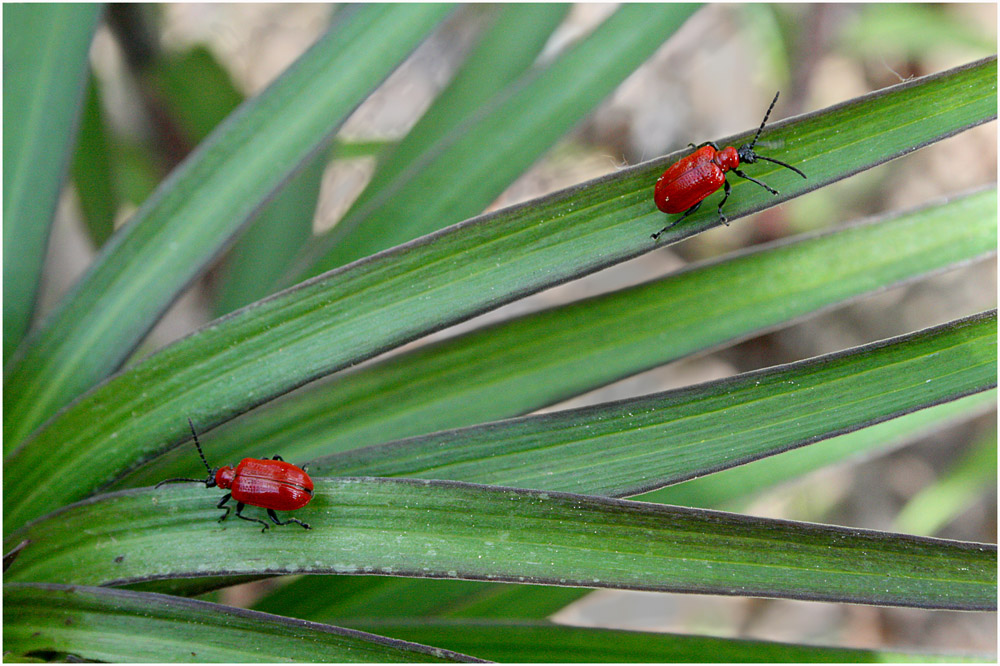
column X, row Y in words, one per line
column 764, row 122
column 787, row 166
column 198, row 444
column 178, row 479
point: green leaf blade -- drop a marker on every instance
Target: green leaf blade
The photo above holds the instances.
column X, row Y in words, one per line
column 334, row 598
column 732, row 489
column 639, row 444
column 273, row 238
column 45, row 72
column 98, row 624
column 970, row 477
column 195, row 211
column 539, row 642
column 368, row 526
column 92, row 170
column 509, row 44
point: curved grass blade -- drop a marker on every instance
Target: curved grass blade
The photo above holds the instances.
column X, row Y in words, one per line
column 538, row 359
column 62, row 622
column 431, row 184
column 732, row 488
column 45, row 72
column 378, row 303
column 508, row 45
column 444, row 529
column 541, row 642
column 638, row 444
column 185, row 223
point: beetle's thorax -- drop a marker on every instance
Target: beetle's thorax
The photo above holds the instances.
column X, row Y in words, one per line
column 224, row 477
column 728, row 158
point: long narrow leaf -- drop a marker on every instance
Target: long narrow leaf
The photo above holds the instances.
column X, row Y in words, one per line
column 333, row 598
column 538, row 642
column 733, row 488
column 634, row 445
column 373, row 305
column 45, row 71
column 198, row 93
column 71, row 623
column 185, row 223
column 276, row 235
column 455, row 530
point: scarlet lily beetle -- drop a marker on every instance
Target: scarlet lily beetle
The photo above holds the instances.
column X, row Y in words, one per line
column 271, row 484
column 690, row 180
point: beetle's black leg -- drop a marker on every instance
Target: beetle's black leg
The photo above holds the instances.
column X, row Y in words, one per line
column 764, row 185
column 222, row 503
column 706, row 143
column 239, row 514
column 274, row 519
column 726, row 189
column 686, row 213
column 278, row 458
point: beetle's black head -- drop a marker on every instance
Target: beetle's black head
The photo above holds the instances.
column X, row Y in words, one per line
column 746, row 153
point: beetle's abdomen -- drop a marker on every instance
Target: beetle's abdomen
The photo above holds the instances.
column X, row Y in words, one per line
column 271, row 484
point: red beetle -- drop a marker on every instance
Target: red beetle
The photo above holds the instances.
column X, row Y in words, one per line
column 689, row 181
column 272, row 484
